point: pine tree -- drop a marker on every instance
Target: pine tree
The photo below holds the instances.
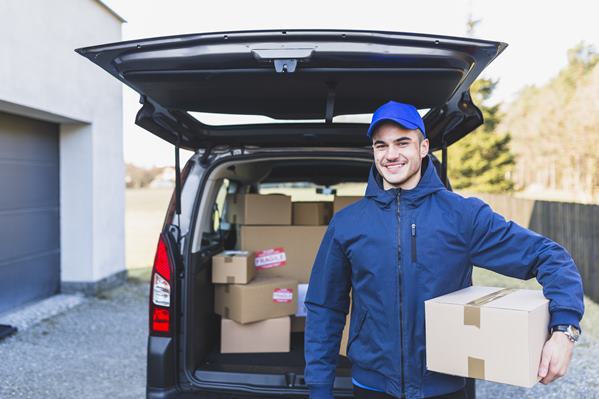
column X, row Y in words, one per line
column 482, row 161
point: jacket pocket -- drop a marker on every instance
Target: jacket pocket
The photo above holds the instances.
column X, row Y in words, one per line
column 353, row 337
column 413, row 236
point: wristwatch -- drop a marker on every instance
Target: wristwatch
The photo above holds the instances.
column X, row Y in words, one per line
column 570, row 331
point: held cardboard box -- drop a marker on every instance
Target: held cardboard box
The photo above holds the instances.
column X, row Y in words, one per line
column 487, row 333
column 233, row 267
column 270, row 335
column 283, row 250
column 260, row 299
column 258, row 209
column 314, row 213
column 343, row 201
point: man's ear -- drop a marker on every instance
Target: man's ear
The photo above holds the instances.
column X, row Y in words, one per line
column 424, row 148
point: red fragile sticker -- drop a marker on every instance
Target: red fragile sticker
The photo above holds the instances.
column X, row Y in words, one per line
column 267, row 258
column 282, row 295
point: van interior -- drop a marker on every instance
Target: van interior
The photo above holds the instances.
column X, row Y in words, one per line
column 304, row 178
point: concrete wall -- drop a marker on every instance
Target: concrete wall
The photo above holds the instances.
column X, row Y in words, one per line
column 42, row 77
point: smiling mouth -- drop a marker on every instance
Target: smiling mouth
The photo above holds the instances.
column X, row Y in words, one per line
column 395, row 166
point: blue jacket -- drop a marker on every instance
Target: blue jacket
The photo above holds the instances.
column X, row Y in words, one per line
column 397, row 248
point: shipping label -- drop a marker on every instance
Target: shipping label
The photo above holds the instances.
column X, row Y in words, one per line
column 267, row 258
column 282, row 295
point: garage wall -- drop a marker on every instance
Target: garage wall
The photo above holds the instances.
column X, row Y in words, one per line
column 43, row 78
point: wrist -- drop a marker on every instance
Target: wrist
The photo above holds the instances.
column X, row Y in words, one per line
column 570, row 331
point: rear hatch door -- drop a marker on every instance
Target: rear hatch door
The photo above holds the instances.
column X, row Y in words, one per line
column 305, row 86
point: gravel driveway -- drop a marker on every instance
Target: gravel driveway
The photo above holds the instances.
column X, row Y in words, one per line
column 97, row 350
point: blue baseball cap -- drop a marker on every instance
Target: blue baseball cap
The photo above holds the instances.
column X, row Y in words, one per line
column 405, row 115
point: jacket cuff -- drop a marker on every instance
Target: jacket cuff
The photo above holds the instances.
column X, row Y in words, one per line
column 564, row 316
column 321, row 391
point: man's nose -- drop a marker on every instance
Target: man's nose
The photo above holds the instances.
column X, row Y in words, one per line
column 392, row 152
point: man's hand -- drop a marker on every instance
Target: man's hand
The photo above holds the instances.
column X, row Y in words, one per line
column 555, row 358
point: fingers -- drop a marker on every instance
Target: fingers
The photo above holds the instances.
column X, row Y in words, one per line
column 556, row 370
column 554, row 363
column 545, row 362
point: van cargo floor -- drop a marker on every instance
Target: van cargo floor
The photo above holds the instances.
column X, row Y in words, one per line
column 292, row 361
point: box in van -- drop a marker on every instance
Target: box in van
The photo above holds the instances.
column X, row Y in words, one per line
column 257, row 209
column 265, row 336
column 262, row 298
column 298, row 244
column 233, row 267
column 312, row 213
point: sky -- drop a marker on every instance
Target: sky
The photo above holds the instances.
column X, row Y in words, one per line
column 538, row 34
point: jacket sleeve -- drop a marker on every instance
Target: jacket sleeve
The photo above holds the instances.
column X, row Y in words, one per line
column 327, row 304
column 510, row 249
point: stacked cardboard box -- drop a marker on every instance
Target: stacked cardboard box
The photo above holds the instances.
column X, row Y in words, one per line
column 262, row 298
column 282, row 239
column 255, row 309
column 313, row 213
column 233, row 267
column 343, row 201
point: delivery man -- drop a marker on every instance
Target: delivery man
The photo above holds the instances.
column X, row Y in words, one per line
column 408, row 240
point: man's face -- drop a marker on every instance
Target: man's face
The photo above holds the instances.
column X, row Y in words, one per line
column 398, row 154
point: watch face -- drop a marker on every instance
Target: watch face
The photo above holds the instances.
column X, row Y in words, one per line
column 573, row 331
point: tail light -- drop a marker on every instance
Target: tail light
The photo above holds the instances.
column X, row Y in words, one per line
column 160, row 292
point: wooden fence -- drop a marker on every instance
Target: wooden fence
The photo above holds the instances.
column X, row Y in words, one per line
column 574, row 226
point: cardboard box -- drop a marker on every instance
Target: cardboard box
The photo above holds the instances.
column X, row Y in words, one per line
column 271, row 335
column 258, row 209
column 487, row 333
column 298, row 324
column 341, row 202
column 293, row 248
column 311, row 213
column 233, row 267
column 260, row 299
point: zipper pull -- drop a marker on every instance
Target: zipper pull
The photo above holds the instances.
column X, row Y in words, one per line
column 413, row 229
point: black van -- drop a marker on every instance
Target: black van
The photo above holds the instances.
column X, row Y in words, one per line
column 291, row 107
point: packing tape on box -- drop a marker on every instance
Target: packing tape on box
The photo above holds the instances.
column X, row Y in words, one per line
column 476, row 368
column 227, row 312
column 227, row 289
column 230, row 279
column 472, row 308
column 228, row 259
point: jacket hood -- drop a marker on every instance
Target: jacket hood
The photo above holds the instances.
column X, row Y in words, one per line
column 429, row 183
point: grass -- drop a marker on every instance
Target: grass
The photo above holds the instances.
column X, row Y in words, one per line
column 139, row 274
column 144, row 214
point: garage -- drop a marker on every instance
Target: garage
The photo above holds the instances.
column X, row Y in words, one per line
column 29, row 210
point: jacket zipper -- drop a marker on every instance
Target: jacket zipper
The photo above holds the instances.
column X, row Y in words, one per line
column 414, row 258
column 403, row 388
